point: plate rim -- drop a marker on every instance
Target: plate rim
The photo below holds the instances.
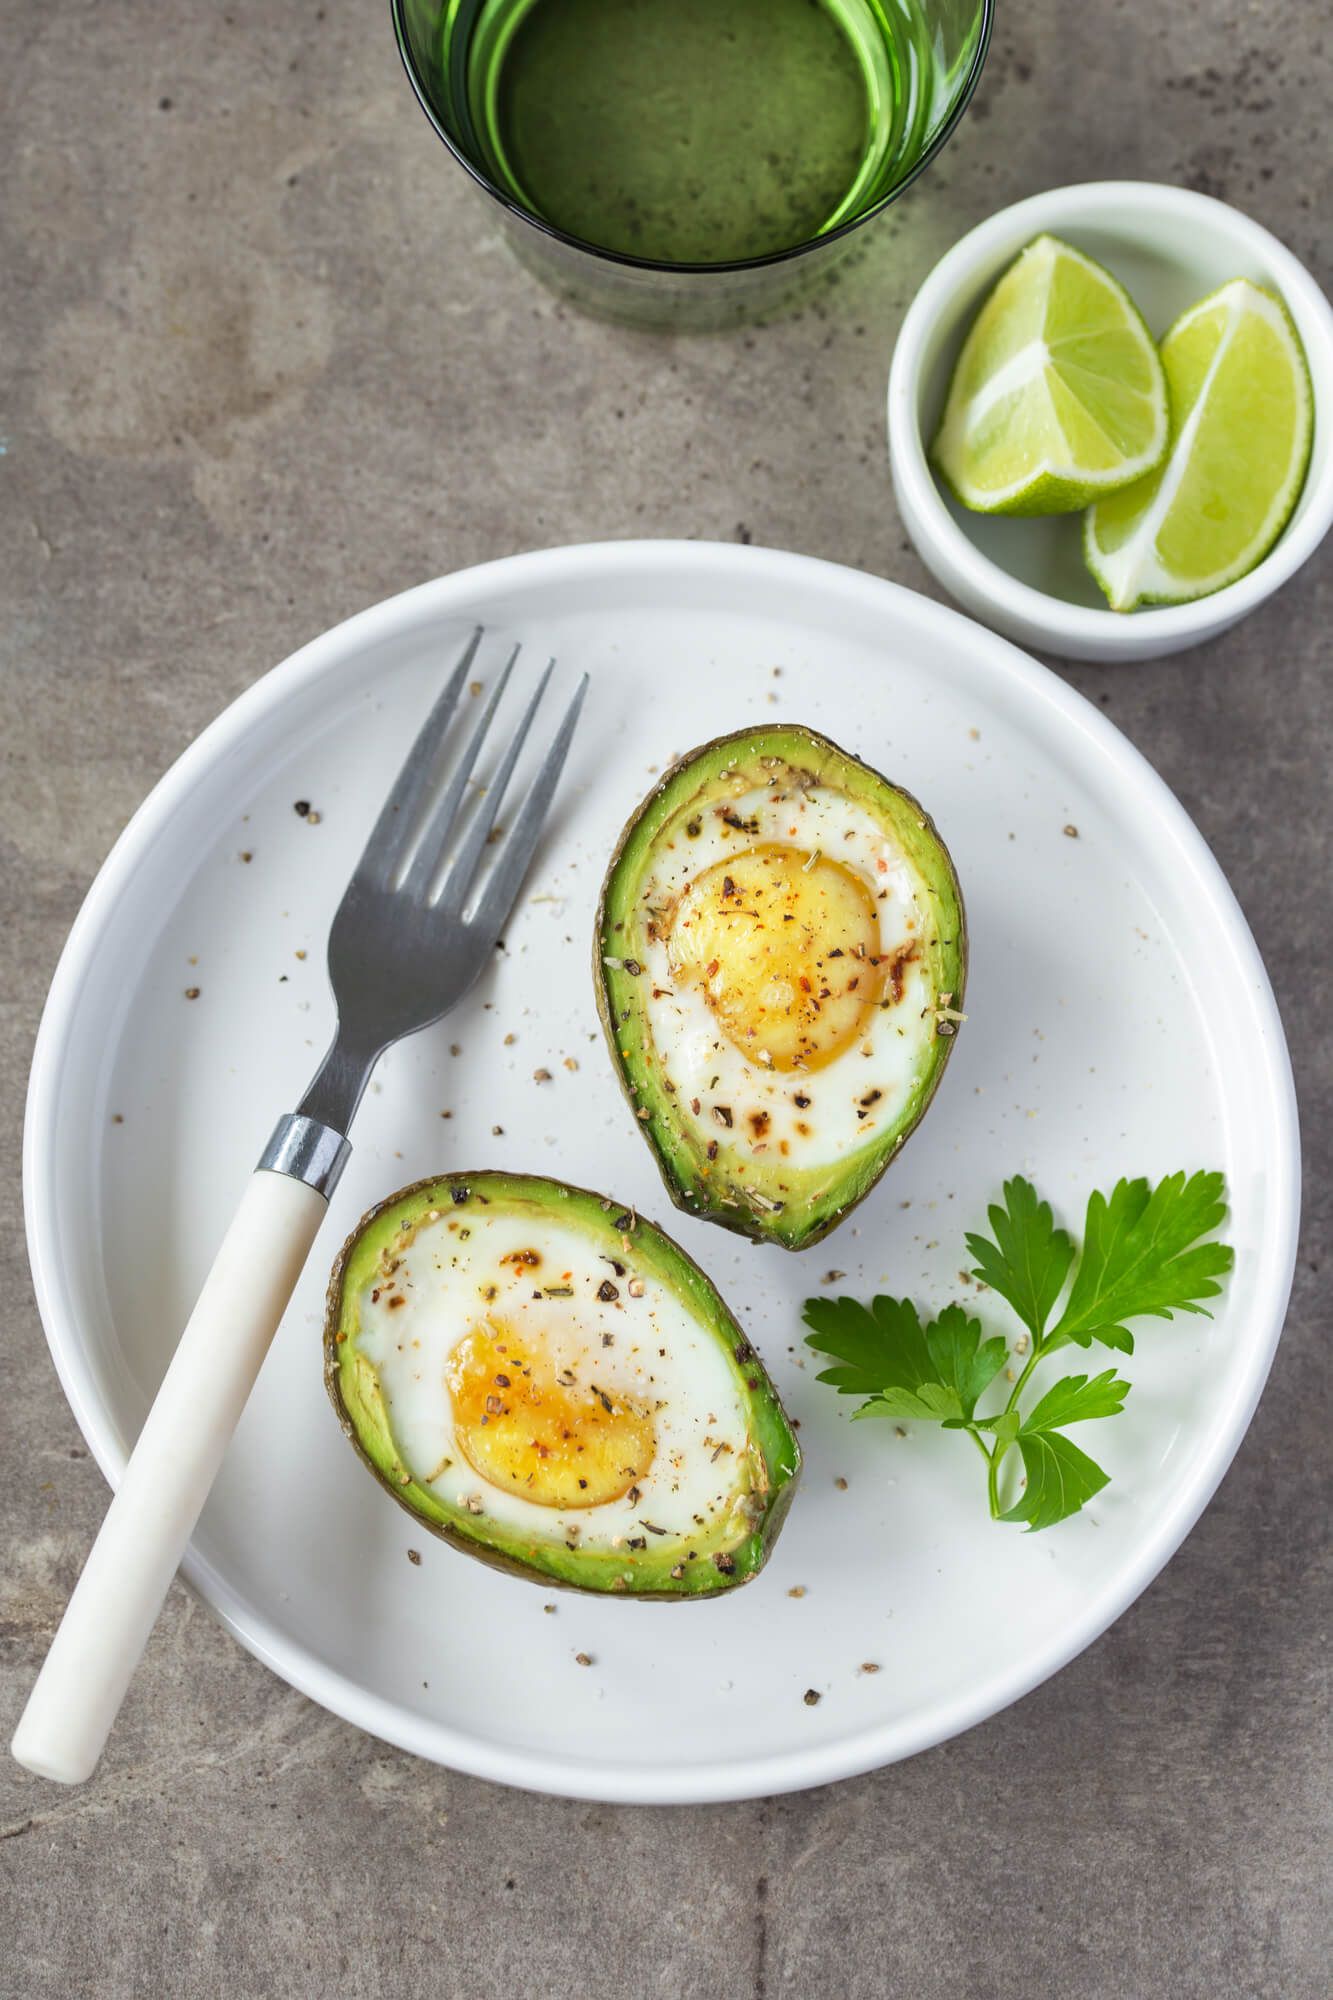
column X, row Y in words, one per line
column 628, row 1783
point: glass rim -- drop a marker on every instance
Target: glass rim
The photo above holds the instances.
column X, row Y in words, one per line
column 735, row 264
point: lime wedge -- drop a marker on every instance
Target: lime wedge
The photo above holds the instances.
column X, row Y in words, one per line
column 1058, row 396
column 1242, row 418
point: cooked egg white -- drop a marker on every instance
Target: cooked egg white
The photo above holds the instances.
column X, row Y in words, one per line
column 786, row 999
column 566, row 1398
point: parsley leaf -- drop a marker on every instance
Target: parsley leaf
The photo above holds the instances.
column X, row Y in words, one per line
column 1029, row 1260
column 1074, row 1400
column 880, row 1345
column 933, row 1401
column 1060, row 1479
column 935, row 1373
column 963, row 1361
column 1141, row 1255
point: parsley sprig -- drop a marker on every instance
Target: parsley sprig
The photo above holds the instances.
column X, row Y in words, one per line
column 1147, row 1252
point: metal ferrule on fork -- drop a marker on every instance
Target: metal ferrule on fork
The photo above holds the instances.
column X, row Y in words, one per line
column 307, row 1151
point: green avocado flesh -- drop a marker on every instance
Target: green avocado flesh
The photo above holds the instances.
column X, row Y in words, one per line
column 780, row 958
column 545, row 1380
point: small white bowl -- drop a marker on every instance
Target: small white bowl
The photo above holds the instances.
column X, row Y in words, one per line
column 1025, row 577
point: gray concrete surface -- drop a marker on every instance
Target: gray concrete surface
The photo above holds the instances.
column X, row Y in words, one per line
column 261, row 363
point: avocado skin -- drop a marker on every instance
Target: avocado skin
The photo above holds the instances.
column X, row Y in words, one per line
column 556, row 1567
column 795, row 1226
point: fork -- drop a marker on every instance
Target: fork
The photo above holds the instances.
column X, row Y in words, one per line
column 404, row 948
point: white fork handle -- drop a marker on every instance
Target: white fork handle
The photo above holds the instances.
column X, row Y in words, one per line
column 151, row 1518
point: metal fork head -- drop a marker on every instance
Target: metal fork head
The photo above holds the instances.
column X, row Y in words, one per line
column 430, row 895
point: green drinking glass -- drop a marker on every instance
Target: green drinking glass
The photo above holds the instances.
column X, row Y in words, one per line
column 691, row 163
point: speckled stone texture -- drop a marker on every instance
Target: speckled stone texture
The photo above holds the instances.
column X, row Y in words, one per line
column 262, row 362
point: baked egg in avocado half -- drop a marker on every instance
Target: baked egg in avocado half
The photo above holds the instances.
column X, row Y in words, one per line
column 545, row 1380
column 780, row 959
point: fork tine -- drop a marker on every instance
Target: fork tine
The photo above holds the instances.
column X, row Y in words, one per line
column 464, row 868
column 516, row 851
column 426, row 860
column 389, row 836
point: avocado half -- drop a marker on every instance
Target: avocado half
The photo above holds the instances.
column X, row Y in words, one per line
column 470, row 1257
column 756, row 793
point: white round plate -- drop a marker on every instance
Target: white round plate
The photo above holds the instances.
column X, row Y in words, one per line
column 1120, row 1022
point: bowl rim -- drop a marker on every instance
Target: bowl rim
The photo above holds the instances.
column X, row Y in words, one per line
column 986, row 9
column 929, row 521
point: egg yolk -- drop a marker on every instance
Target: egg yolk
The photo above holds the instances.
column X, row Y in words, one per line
column 785, row 946
column 553, row 1435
